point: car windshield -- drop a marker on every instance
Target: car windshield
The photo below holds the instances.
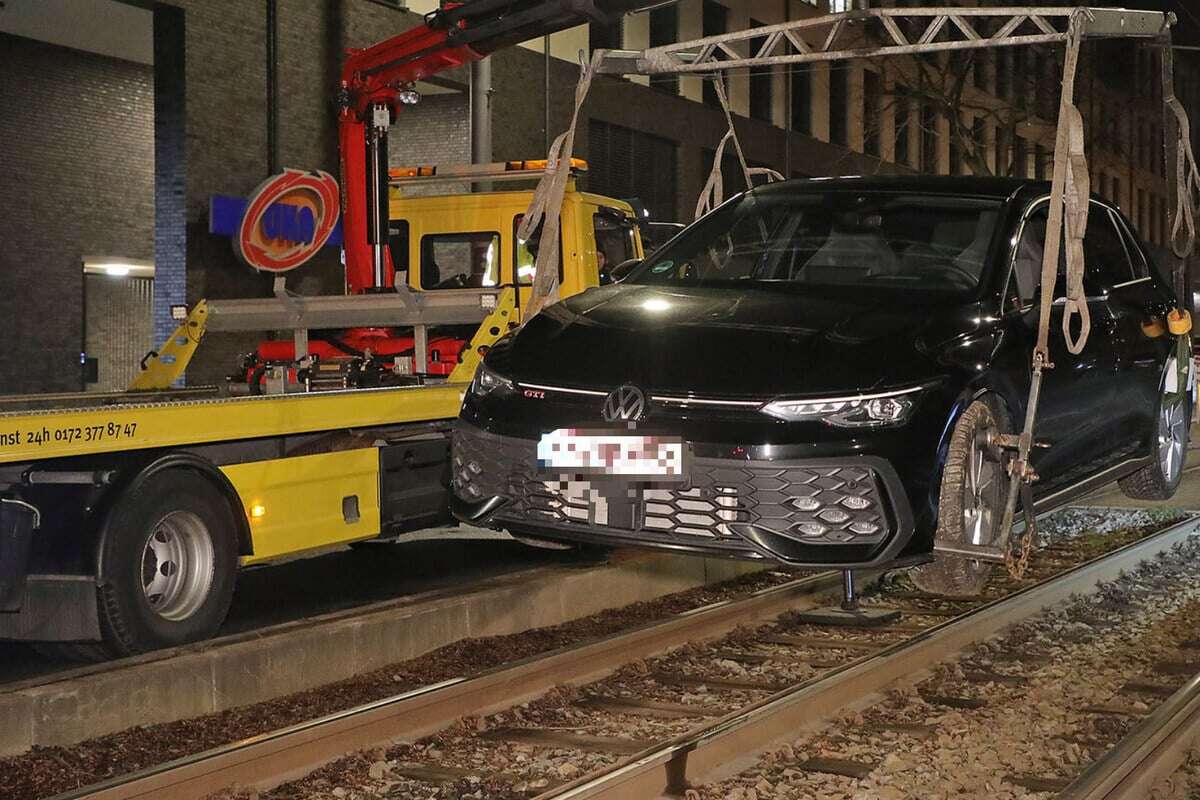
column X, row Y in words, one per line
column 874, row 240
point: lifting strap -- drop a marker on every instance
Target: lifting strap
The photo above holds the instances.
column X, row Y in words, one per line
column 713, row 193
column 1068, row 215
column 1187, row 183
column 1069, row 202
column 1181, row 207
column 1070, row 164
column 1075, row 200
column 546, row 207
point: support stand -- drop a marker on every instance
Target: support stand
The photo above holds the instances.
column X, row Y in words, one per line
column 849, row 614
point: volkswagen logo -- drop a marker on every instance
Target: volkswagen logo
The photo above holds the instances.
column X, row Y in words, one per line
column 624, row 404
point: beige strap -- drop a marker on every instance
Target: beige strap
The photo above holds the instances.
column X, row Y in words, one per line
column 713, row 193
column 1064, row 161
column 546, row 205
column 1076, row 191
column 1187, row 184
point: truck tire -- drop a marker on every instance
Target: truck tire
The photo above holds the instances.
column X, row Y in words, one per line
column 1159, row 479
column 970, row 503
column 170, row 561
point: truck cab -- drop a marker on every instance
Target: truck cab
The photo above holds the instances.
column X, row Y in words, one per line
column 469, row 240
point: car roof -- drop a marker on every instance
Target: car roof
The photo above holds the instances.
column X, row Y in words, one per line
column 972, row 185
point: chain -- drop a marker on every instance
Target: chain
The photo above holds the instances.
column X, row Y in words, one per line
column 1017, row 564
column 1016, row 557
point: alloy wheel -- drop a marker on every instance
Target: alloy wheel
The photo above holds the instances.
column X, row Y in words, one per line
column 979, row 481
column 1172, row 431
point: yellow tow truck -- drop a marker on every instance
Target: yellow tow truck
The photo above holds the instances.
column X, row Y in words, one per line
column 125, row 517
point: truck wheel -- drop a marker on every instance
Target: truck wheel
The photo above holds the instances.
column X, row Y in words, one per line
column 170, row 560
column 971, row 502
column 1159, row 479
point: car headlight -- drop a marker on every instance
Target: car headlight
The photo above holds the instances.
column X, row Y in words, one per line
column 488, row 381
column 852, row 411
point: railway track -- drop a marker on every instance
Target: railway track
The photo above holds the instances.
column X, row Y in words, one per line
column 701, row 755
column 698, row 691
column 1155, row 749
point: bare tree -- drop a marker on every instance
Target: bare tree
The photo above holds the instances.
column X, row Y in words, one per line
column 970, row 91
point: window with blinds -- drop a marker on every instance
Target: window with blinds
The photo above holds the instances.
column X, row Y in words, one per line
column 624, row 163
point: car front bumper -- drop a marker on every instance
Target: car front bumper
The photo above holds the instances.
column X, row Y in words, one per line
column 847, row 512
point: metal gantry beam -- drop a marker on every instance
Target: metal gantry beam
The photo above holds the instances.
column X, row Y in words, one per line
column 878, row 32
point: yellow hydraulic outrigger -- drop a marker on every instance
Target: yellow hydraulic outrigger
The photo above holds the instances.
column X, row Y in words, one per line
column 162, row 368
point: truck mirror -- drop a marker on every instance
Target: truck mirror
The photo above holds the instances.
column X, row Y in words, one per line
column 617, row 273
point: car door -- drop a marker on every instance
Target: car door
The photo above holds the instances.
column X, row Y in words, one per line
column 1079, row 392
column 1138, row 300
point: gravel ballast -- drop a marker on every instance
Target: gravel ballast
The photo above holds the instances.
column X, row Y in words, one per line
column 488, row 763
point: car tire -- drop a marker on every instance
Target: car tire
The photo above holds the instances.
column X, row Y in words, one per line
column 170, row 563
column 974, row 488
column 1159, row 479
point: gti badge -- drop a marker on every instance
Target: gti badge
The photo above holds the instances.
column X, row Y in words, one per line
column 626, row 403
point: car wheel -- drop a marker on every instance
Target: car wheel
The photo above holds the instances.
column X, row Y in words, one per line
column 970, row 502
column 1159, row 479
column 170, row 561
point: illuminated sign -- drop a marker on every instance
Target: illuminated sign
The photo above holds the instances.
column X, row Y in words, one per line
column 288, row 218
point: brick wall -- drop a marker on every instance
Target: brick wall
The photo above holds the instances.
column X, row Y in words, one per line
column 227, row 140
column 77, row 160
column 436, row 131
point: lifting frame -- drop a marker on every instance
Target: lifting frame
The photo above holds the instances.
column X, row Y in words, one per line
column 881, row 32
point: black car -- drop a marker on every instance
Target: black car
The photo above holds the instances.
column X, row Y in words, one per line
column 815, row 373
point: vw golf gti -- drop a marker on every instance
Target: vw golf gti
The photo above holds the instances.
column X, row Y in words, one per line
column 818, row 372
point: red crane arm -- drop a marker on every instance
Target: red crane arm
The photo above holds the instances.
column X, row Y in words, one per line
column 373, row 77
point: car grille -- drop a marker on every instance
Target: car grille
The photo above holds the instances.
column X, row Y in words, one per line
column 810, row 502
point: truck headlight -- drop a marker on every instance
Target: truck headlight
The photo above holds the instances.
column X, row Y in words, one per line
column 852, row 411
column 488, row 381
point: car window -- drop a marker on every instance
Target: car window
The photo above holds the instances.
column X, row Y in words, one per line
column 1027, row 259
column 1141, row 269
column 1105, row 260
column 460, row 260
column 874, row 239
column 525, row 253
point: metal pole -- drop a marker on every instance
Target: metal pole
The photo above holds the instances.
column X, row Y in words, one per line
column 377, row 201
column 481, row 111
column 787, row 105
column 272, row 87
column 546, row 89
column 849, row 598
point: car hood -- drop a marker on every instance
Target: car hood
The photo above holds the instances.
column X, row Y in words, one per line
column 726, row 342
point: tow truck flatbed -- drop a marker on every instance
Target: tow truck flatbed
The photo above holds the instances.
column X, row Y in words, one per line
column 160, row 420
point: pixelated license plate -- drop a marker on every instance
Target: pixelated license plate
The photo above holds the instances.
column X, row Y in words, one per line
column 658, row 458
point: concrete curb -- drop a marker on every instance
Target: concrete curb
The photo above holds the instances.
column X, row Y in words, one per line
column 187, row 682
